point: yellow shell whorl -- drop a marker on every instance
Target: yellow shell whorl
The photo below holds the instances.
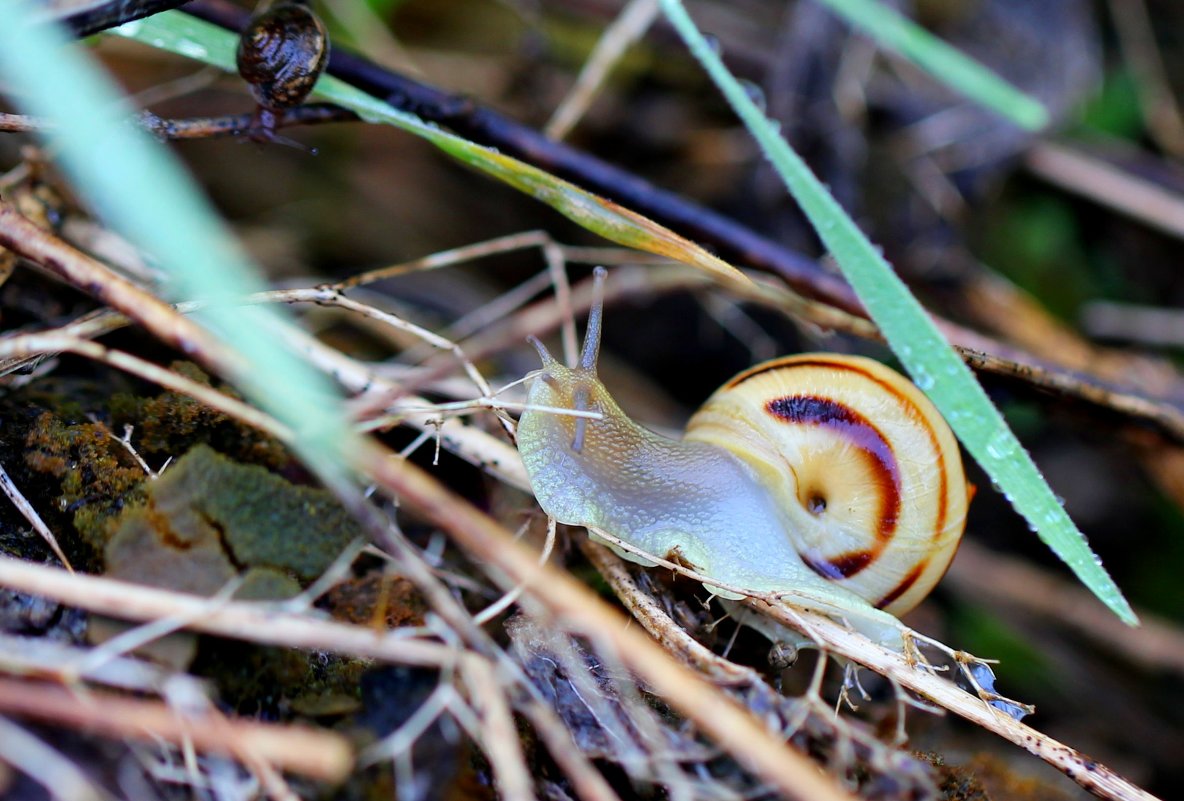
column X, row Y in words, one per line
column 865, row 468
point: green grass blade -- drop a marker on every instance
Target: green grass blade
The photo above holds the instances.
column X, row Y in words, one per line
column 142, row 191
column 933, row 364
column 187, row 36
column 943, row 62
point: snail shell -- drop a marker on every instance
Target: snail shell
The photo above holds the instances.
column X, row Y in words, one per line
column 281, row 54
column 859, row 460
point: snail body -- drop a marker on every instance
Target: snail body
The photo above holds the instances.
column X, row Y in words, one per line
column 826, row 478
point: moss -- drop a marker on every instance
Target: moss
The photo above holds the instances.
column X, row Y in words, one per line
column 97, row 476
column 377, row 598
column 267, row 584
column 264, row 520
column 146, row 549
column 170, row 423
column 279, row 683
column 208, row 520
column 79, row 475
column 984, row 777
column 205, row 521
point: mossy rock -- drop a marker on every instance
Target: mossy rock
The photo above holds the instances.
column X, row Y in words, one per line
column 208, row 517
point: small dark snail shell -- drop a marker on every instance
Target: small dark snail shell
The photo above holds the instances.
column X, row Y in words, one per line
column 281, row 53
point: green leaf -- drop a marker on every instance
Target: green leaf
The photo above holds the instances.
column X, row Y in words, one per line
column 914, row 338
column 943, row 63
column 187, row 36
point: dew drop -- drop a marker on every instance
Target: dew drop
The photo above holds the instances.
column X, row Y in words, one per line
column 1002, row 445
column 755, row 93
column 191, row 49
column 712, row 42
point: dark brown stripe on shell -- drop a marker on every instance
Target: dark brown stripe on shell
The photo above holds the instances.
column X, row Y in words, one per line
column 849, row 424
column 789, row 362
column 842, row 566
column 904, row 585
column 775, row 364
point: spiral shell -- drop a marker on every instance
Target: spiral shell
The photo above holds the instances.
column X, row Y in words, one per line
column 860, row 461
column 281, row 54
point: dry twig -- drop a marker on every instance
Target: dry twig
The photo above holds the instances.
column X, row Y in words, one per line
column 1091, row 177
column 45, row 765
column 1006, row 581
column 252, row 622
column 627, row 28
column 902, row 668
column 26, row 509
column 499, row 737
column 318, row 754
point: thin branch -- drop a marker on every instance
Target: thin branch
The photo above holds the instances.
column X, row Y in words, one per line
column 169, row 129
column 588, row 782
column 901, row 666
column 314, row 753
column 629, row 26
column 329, row 296
column 1166, row 416
column 508, row 599
column 1147, row 326
column 447, row 258
column 23, row 237
column 45, row 765
column 1004, row 581
column 86, row 17
column 499, row 737
column 410, row 730
column 250, row 622
column 23, row 346
column 1091, row 177
column 66, row 664
column 1090, row 774
column 1157, row 101
column 26, row 509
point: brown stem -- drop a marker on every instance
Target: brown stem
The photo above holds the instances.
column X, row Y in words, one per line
column 319, row 754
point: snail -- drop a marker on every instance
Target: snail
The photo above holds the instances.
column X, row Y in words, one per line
column 824, row 478
column 281, row 53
